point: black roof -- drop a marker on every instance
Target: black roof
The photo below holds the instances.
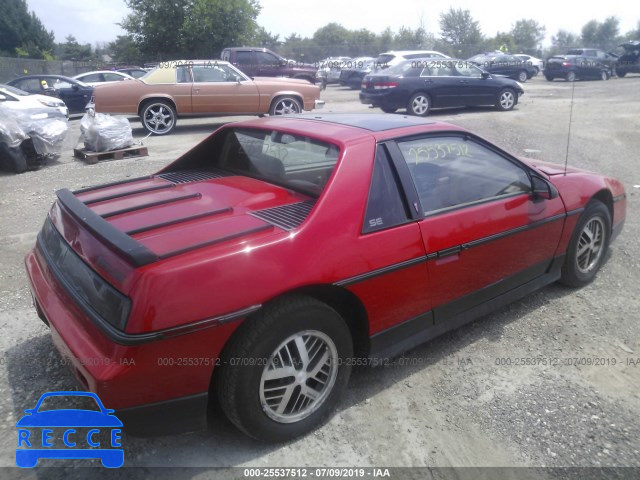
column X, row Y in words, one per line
column 374, row 122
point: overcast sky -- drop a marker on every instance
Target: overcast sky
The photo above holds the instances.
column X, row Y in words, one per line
column 92, row 21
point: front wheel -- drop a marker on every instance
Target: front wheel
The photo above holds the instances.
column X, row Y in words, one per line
column 388, row 110
column 604, row 75
column 588, row 245
column 570, row 77
column 506, row 99
column 621, row 73
column 284, row 106
column 549, row 78
column 158, row 117
column 284, row 371
column 523, row 76
column 419, row 105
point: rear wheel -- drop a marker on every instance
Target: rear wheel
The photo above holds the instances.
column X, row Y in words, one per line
column 506, row 99
column 158, row 117
column 283, row 372
column 284, row 106
column 620, row 73
column 570, row 77
column 588, row 245
column 549, row 78
column 13, row 159
column 419, row 105
column 604, row 75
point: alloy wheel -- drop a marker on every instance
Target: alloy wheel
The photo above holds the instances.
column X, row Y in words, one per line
column 590, row 245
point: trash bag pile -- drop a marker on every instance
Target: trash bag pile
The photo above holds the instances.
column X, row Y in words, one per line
column 102, row 132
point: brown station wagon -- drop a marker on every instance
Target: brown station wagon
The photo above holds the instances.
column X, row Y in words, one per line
column 202, row 88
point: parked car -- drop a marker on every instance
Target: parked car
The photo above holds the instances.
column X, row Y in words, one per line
column 100, row 77
column 262, row 62
column 406, row 229
column 575, row 67
column 202, row 88
column 629, row 62
column 14, row 98
column 330, row 68
column 351, row 76
column 135, row 72
column 607, row 58
column 536, row 63
column 421, row 84
column 74, row 93
column 504, row 64
column 391, row 58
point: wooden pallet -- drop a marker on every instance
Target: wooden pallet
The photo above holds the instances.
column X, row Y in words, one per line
column 92, row 158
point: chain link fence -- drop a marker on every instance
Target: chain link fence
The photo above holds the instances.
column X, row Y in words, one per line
column 11, row 68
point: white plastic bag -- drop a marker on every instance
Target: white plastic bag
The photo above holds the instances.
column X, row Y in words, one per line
column 102, row 132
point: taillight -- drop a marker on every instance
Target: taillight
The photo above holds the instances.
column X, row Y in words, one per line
column 384, row 85
column 566, row 64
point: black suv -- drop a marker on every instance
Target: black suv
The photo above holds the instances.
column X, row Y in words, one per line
column 506, row 65
column 630, row 61
column 581, row 63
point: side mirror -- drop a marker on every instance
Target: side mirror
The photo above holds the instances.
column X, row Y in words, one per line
column 486, row 75
column 542, row 189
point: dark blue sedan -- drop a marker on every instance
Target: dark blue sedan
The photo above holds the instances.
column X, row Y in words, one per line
column 421, row 84
column 73, row 93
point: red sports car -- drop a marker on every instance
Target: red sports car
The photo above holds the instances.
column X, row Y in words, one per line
column 264, row 263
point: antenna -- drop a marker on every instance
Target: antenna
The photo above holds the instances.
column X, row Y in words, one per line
column 566, row 157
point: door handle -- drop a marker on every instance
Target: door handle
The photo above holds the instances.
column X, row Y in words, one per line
column 197, row 90
column 462, row 81
column 428, row 81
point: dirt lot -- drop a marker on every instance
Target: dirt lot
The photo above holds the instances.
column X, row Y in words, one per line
column 453, row 402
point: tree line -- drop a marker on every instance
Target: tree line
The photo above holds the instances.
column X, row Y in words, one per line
column 172, row 29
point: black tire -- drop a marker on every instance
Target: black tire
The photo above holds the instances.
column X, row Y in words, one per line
column 580, row 267
column 604, row 75
column 549, row 78
column 158, row 117
column 242, row 389
column 620, row 73
column 523, row 76
column 388, row 110
column 507, row 99
column 419, row 105
column 13, row 159
column 570, row 77
column 284, row 106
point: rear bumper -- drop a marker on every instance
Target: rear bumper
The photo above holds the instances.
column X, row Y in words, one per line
column 159, row 387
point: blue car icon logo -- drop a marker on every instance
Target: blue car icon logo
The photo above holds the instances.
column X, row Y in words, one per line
column 80, row 433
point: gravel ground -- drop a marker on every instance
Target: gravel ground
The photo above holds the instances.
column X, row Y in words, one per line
column 462, row 400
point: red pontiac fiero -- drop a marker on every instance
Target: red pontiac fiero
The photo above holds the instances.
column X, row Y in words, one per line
column 264, row 263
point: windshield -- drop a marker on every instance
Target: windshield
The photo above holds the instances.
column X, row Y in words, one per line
column 14, row 90
column 294, row 161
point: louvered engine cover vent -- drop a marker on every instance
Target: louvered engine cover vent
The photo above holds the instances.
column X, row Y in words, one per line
column 286, row 217
column 186, row 176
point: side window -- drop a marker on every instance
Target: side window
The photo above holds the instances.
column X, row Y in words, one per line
column 385, row 207
column 244, row 58
column 93, row 78
column 466, row 69
column 182, row 74
column 267, row 60
column 217, row 73
column 590, row 53
column 31, row 85
column 453, row 171
column 113, row 77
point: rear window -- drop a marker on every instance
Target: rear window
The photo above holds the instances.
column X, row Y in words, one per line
column 385, row 58
column 293, row 161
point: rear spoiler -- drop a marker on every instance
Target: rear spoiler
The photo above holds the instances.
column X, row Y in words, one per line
column 129, row 249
